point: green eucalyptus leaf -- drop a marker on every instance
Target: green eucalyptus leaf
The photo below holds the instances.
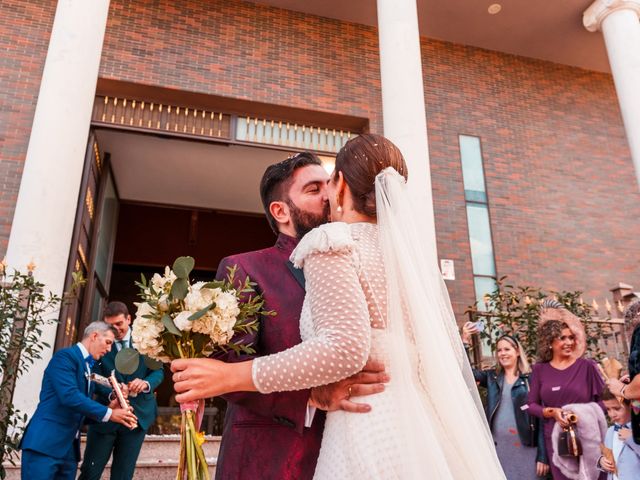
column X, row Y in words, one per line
column 127, row 361
column 169, row 325
column 152, row 363
column 179, row 289
column 201, row 313
column 182, row 266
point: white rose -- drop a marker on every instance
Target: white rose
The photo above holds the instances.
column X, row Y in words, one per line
column 227, row 305
column 199, row 298
column 182, row 321
column 146, row 335
column 144, row 309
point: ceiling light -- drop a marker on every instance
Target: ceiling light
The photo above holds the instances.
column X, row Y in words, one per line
column 329, row 164
column 494, row 8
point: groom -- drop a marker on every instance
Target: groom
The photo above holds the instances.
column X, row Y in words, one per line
column 277, row 436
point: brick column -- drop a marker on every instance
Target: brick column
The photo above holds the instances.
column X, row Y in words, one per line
column 45, row 210
column 403, row 110
column 618, row 21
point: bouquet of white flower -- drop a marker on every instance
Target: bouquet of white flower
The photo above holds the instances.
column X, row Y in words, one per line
column 177, row 319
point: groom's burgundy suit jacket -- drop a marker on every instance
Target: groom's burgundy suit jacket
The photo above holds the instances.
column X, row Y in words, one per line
column 264, row 436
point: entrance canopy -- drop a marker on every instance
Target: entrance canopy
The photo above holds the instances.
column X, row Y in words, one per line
column 545, row 29
column 168, row 171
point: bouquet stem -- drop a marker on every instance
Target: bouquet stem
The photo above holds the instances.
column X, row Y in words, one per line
column 192, row 460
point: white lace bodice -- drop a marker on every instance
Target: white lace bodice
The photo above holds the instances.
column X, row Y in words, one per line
column 345, row 299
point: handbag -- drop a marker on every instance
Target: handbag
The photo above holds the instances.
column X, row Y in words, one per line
column 568, row 442
column 533, row 422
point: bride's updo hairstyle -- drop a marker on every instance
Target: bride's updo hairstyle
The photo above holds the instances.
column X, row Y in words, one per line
column 360, row 160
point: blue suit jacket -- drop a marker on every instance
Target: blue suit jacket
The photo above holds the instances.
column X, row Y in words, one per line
column 628, row 462
column 64, row 404
column 144, row 404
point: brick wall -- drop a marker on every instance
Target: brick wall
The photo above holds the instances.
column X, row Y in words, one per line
column 562, row 196
column 563, row 200
column 247, row 51
column 24, row 37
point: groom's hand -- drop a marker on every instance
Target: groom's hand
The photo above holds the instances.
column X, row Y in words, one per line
column 337, row 396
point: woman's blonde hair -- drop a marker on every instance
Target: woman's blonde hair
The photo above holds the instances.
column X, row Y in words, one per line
column 522, row 364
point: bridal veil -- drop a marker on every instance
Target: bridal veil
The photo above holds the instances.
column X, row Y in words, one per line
column 435, row 390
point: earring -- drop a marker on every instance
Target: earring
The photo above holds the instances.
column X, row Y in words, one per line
column 339, row 209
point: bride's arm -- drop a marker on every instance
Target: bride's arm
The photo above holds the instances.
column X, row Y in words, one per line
column 338, row 349
column 340, row 344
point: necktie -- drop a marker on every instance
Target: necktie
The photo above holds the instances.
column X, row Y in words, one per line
column 89, row 361
column 617, row 427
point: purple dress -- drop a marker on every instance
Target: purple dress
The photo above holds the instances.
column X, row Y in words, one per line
column 550, row 387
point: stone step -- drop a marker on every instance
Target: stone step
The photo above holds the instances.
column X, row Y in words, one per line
column 158, row 458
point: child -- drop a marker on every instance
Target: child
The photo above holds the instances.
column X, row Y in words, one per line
column 626, row 452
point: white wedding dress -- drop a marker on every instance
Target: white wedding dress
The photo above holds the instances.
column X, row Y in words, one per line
column 416, row 429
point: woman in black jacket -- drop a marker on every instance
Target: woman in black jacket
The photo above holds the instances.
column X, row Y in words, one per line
column 519, row 441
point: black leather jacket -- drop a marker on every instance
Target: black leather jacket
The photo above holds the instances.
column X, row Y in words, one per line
column 529, row 430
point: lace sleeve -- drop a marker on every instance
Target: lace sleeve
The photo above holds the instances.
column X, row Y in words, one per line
column 341, row 341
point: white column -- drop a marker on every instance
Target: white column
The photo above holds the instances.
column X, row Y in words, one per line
column 403, row 110
column 43, row 221
column 620, row 25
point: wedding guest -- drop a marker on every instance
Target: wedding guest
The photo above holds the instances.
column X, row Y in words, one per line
column 51, row 443
column 518, row 436
column 551, row 309
column 105, row 439
column 558, row 379
column 624, row 461
column 631, row 388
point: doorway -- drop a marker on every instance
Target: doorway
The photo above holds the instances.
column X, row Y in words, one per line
column 158, row 198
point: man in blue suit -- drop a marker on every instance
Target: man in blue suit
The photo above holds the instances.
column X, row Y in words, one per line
column 51, row 443
column 105, row 439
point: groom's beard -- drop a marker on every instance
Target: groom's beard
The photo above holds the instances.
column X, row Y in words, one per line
column 304, row 221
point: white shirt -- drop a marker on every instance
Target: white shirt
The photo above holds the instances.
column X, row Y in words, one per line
column 85, row 353
column 126, row 340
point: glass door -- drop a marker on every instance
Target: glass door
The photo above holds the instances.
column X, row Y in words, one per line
column 92, row 246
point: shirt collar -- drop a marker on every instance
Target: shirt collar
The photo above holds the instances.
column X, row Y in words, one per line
column 83, row 350
column 286, row 243
column 127, row 337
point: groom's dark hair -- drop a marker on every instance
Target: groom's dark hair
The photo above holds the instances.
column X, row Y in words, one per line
column 276, row 180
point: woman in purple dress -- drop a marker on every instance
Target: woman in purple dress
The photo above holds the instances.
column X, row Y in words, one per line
column 560, row 378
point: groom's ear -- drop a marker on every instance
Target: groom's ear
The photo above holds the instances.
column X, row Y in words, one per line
column 280, row 212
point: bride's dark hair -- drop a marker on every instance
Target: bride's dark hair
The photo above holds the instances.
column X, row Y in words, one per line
column 360, row 160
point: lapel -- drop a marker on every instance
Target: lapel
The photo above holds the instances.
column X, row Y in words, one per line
column 609, row 437
column 82, row 370
column 297, row 273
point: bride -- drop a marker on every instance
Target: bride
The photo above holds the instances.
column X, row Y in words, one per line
column 373, row 292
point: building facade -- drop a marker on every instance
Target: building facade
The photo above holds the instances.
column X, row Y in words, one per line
column 530, row 164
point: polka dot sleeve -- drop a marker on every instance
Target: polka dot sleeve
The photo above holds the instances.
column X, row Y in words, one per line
column 341, row 338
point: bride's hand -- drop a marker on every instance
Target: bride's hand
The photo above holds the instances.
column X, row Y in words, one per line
column 199, row 378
